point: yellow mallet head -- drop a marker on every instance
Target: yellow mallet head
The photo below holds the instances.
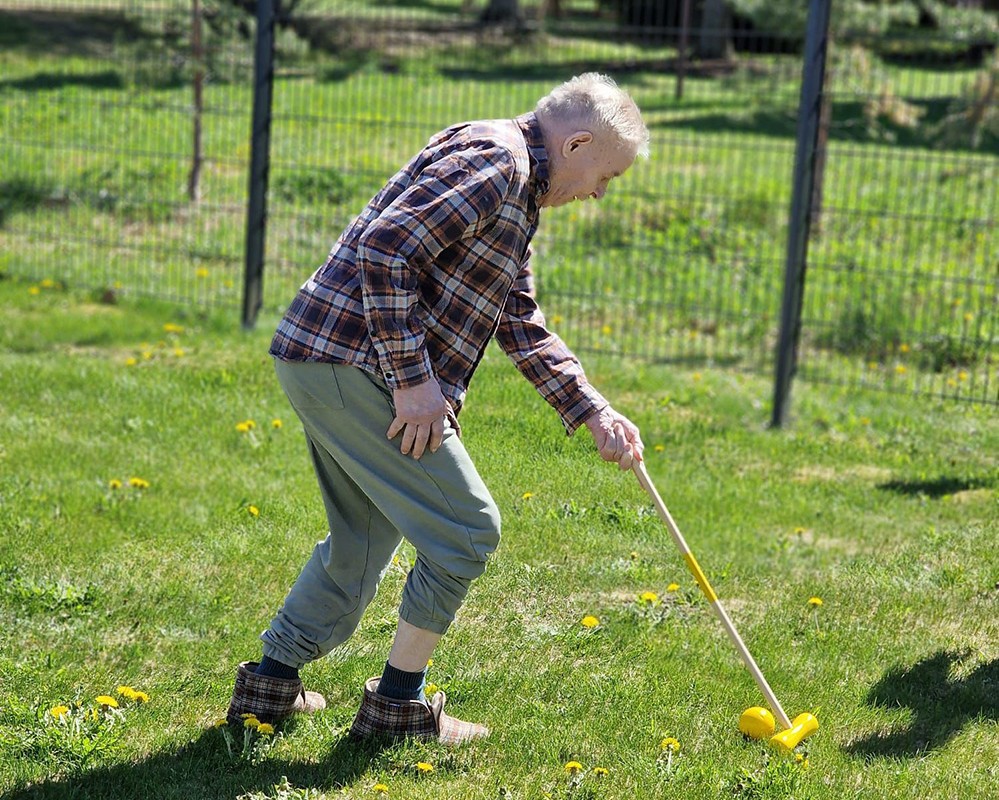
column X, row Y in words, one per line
column 802, row 726
column 757, row 723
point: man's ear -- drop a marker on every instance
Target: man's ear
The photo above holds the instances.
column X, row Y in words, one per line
column 573, row 142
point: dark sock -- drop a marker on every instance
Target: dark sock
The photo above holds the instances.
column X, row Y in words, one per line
column 401, row 685
column 275, row 669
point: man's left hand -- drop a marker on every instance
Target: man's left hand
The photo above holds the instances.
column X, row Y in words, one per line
column 616, row 437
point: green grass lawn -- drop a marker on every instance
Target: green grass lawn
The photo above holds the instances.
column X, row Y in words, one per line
column 145, row 541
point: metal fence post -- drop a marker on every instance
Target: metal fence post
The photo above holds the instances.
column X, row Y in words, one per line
column 260, row 136
column 799, row 222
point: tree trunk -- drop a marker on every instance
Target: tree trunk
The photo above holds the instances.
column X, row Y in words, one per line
column 501, row 11
column 715, row 41
column 198, row 57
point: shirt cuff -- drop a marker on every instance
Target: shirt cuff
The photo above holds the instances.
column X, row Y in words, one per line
column 576, row 410
column 408, row 372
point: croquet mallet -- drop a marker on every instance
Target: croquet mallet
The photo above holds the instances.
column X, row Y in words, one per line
column 804, row 724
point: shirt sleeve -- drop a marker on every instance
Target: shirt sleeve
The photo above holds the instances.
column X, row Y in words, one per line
column 542, row 357
column 451, row 199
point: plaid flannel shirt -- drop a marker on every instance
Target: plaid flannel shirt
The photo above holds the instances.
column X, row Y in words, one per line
column 436, row 266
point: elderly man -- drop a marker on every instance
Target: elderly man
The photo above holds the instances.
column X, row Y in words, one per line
column 375, row 355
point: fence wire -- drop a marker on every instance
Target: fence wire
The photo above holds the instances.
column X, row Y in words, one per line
column 681, row 262
column 98, row 116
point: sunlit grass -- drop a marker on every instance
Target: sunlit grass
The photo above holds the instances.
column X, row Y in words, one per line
column 153, row 516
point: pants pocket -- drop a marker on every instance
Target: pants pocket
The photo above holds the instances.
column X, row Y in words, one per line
column 310, row 385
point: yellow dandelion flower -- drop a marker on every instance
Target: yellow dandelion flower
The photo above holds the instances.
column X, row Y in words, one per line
column 572, row 767
column 649, row 598
column 201, row 272
column 799, row 531
column 114, row 483
column 179, row 352
column 872, row 364
column 607, row 330
column 248, row 716
column 253, row 511
column 865, row 421
column 250, row 424
column 557, row 319
column 380, row 788
column 900, row 369
column 670, row 744
column 34, row 290
column 815, row 601
column 589, row 621
column 251, row 722
column 242, row 427
column 147, row 355
column 430, row 662
column 220, row 723
column 962, row 375
column 601, row 772
column 138, row 483
column 276, row 423
column 131, row 361
column 903, row 348
column 127, row 692
column 968, row 317
column 659, row 448
column 265, row 729
column 107, row 700
column 673, row 587
column 527, row 495
column 799, row 757
column 633, row 555
column 951, row 382
column 697, row 375
column 59, row 711
column 424, row 767
column 141, row 697
column 47, row 283
column 170, row 327
column 431, row 689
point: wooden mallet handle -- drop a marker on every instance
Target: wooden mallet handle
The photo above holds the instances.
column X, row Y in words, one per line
column 702, row 582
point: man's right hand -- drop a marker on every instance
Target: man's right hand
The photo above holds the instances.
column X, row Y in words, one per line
column 419, row 415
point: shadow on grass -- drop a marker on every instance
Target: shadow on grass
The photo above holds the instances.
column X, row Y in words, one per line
column 42, row 81
column 202, row 769
column 938, row 487
column 940, row 704
column 849, row 125
column 62, row 32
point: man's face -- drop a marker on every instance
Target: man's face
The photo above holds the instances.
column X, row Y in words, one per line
column 582, row 166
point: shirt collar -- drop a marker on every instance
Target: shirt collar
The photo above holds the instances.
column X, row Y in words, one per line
column 531, row 129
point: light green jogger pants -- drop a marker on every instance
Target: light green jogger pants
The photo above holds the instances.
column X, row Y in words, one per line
column 375, row 496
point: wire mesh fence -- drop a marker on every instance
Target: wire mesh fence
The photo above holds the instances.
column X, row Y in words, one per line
column 902, row 288
column 682, row 261
column 97, row 160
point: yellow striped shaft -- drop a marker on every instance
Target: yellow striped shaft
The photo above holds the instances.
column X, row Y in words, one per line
column 702, row 582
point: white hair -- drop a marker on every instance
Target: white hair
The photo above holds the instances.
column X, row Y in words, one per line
column 596, row 99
